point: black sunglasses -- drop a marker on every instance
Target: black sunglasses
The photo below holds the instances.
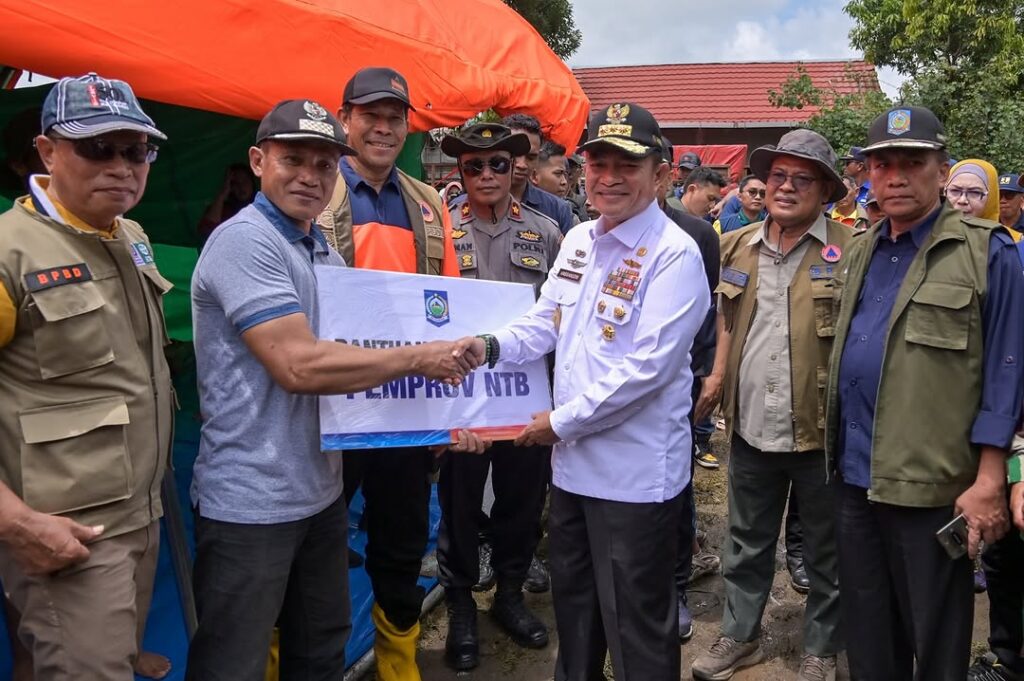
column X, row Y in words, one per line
column 499, row 164
column 755, row 193
column 100, row 150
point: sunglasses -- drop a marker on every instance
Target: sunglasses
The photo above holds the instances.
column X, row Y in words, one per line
column 100, row 150
column 755, row 193
column 500, row 165
column 801, row 183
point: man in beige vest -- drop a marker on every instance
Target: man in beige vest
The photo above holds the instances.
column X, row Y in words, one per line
column 85, row 423
column 775, row 334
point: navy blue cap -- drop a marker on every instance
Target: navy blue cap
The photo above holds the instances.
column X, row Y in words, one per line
column 855, row 154
column 88, row 106
column 1010, row 182
column 689, row 161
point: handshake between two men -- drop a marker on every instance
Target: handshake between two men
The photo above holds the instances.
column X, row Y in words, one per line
column 452, row 361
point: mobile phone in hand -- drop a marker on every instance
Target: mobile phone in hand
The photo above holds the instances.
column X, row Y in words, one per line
column 953, row 537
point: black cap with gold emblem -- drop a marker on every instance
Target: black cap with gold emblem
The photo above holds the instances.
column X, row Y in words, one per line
column 625, row 126
column 486, row 137
column 302, row 120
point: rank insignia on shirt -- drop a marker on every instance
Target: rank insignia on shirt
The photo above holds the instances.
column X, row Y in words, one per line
column 428, row 213
column 466, row 213
column 576, row 263
column 516, row 212
column 141, row 255
column 569, row 275
column 822, row 272
column 466, row 261
column 529, row 261
column 458, row 233
column 581, row 253
column 608, row 331
column 527, row 235
column 41, row 280
column 632, row 263
column 734, row 276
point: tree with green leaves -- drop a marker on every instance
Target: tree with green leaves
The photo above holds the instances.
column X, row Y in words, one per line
column 843, row 117
column 553, row 20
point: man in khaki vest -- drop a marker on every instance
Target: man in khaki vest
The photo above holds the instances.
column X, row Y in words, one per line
column 924, row 394
column 775, row 334
column 85, row 422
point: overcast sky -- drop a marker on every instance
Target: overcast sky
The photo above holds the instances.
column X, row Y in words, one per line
column 625, row 32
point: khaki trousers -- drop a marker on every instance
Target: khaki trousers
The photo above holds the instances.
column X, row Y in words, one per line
column 85, row 623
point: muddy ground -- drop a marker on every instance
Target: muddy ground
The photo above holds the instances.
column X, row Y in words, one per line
column 501, row 659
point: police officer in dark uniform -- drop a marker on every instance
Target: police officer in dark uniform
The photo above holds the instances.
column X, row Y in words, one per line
column 499, row 239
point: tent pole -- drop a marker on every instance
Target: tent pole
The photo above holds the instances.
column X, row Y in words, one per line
column 179, row 551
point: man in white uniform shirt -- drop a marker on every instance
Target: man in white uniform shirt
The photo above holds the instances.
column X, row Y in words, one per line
column 620, row 308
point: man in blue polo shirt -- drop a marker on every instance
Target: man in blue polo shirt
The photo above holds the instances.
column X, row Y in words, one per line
column 1011, row 204
column 271, row 522
column 855, row 165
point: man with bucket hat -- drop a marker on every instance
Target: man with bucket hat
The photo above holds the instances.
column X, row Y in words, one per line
column 620, row 308
column 772, row 365
column 500, row 239
column 85, row 421
column 924, row 395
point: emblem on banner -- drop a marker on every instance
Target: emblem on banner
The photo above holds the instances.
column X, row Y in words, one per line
column 436, row 307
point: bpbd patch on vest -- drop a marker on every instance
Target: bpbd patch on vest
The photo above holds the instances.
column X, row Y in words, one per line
column 40, row 280
column 734, row 276
column 141, row 255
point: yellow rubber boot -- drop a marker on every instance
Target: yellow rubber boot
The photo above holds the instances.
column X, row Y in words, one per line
column 395, row 650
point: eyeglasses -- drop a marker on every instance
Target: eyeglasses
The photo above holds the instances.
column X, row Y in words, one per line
column 100, row 150
column 499, row 164
column 755, row 193
column 800, row 182
column 958, row 194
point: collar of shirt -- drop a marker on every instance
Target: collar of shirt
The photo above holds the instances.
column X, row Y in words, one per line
column 314, row 241
column 839, row 215
column 918, row 233
column 818, row 231
column 40, row 200
column 744, row 220
column 629, row 231
column 354, row 180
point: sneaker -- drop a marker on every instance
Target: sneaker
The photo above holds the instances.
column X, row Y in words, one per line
column 725, row 657
column 537, row 579
column 814, row 668
column 685, row 622
column 703, row 457
column 704, row 564
column 988, row 668
column 486, row 579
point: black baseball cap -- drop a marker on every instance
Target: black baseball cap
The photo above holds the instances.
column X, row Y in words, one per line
column 302, row 120
column 486, row 137
column 1011, row 182
column 689, row 161
column 374, row 83
column 625, row 126
column 906, row 127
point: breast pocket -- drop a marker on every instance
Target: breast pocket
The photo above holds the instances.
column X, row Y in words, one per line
column 824, row 308
column 75, row 456
column 939, row 316
column 534, row 261
column 69, row 329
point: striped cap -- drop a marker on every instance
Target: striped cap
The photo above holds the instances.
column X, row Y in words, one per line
column 88, row 106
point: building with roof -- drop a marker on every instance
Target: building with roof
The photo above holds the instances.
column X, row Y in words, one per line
column 720, row 103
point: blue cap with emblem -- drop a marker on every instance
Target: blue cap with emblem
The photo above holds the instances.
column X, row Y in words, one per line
column 1011, row 182
column 78, row 108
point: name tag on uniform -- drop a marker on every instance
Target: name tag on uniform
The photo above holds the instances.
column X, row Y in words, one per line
column 569, row 275
column 734, row 276
column 57, row 276
column 822, row 272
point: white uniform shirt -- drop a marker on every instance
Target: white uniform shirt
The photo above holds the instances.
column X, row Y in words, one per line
column 621, row 309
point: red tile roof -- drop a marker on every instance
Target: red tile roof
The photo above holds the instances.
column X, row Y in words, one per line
column 714, row 95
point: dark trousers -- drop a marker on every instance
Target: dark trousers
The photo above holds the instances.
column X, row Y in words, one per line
column 794, row 531
column 611, row 580
column 518, row 477
column 1003, row 563
column 396, row 514
column 759, row 484
column 247, row 577
column 687, row 531
column 902, row 597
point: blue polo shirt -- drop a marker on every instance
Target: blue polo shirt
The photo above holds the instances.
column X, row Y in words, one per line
column 259, row 456
column 860, row 370
column 386, row 207
column 862, row 193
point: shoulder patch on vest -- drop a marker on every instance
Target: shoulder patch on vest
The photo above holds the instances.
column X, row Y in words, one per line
column 734, row 276
column 40, row 280
column 428, row 213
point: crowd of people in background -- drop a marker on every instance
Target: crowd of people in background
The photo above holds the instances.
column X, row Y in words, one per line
column 854, row 325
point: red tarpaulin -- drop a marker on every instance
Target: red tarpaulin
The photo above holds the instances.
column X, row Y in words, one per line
column 240, row 57
column 732, row 155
